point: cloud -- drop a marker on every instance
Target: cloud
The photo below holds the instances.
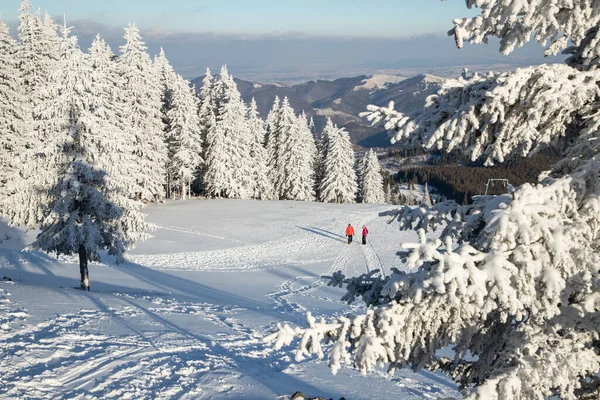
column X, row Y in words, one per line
column 296, row 56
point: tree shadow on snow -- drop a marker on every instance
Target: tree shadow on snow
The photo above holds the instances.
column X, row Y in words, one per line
column 322, row 232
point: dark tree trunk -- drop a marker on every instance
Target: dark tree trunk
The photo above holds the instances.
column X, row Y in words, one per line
column 83, row 269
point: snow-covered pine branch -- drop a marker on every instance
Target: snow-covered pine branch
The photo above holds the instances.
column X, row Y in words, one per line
column 517, row 22
column 512, row 284
column 498, row 115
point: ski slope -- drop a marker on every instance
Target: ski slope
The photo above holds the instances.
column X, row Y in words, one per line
column 186, row 316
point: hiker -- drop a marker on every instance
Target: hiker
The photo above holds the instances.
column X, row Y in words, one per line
column 364, row 234
column 349, row 233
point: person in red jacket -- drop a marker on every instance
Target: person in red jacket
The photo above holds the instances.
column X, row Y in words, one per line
column 349, row 233
column 364, row 234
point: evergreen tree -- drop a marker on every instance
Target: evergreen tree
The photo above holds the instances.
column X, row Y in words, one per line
column 339, row 178
column 297, row 152
column 272, row 141
column 322, row 143
column 371, row 180
column 167, row 79
column 513, row 284
column 261, row 171
column 144, row 115
column 426, row 201
column 62, row 188
column 185, row 136
column 207, row 120
column 228, row 170
column 12, row 141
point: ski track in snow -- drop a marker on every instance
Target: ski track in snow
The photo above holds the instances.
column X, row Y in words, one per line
column 297, row 249
column 179, row 347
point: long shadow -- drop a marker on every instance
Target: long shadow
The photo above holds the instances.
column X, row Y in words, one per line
column 194, row 291
column 325, row 231
column 322, row 232
column 274, row 379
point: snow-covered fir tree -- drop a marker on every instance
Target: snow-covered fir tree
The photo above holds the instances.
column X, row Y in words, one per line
column 228, row 162
column 60, row 187
column 426, row 200
column 294, row 175
column 371, row 181
column 184, row 147
column 322, row 143
column 339, row 177
column 264, row 187
column 272, row 141
column 185, row 142
column 12, row 102
column 206, row 118
column 107, row 84
column 513, row 283
column 142, row 91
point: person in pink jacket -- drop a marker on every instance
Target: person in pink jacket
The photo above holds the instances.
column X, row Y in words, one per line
column 365, row 231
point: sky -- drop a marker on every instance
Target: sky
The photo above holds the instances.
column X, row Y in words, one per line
column 362, row 18
column 287, row 41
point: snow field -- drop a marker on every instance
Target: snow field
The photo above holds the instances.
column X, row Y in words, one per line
column 186, row 317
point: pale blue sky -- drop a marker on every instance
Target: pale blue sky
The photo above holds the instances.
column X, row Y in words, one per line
column 379, row 18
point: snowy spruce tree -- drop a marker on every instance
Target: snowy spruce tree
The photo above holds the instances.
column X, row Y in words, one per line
column 12, row 101
column 228, row 162
column 143, row 95
column 184, row 137
column 294, row 161
column 207, row 121
column 339, row 177
column 426, row 200
column 263, row 188
column 513, row 282
column 60, row 187
column 371, row 181
column 322, row 143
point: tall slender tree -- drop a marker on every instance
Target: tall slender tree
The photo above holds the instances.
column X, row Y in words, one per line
column 261, row 171
column 144, row 107
column 185, row 136
column 339, row 178
column 12, row 102
column 371, row 181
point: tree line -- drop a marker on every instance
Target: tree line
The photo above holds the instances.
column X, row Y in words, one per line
column 87, row 138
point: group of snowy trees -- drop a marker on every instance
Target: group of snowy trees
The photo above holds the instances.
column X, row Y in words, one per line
column 85, row 138
column 513, row 283
column 280, row 158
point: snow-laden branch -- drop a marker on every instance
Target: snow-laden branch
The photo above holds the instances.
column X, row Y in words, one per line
column 548, row 21
column 527, row 280
column 498, row 115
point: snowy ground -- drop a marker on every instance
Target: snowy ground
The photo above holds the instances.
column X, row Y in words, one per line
column 186, row 317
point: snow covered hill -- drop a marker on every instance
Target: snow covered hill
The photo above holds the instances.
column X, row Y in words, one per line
column 186, row 317
column 344, row 99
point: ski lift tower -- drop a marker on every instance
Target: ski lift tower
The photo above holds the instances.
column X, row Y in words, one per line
column 504, row 181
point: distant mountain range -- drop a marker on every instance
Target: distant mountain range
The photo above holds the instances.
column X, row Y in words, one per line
column 344, row 99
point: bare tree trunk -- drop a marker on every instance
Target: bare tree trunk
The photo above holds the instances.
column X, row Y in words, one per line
column 182, row 187
column 168, row 185
column 83, row 268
